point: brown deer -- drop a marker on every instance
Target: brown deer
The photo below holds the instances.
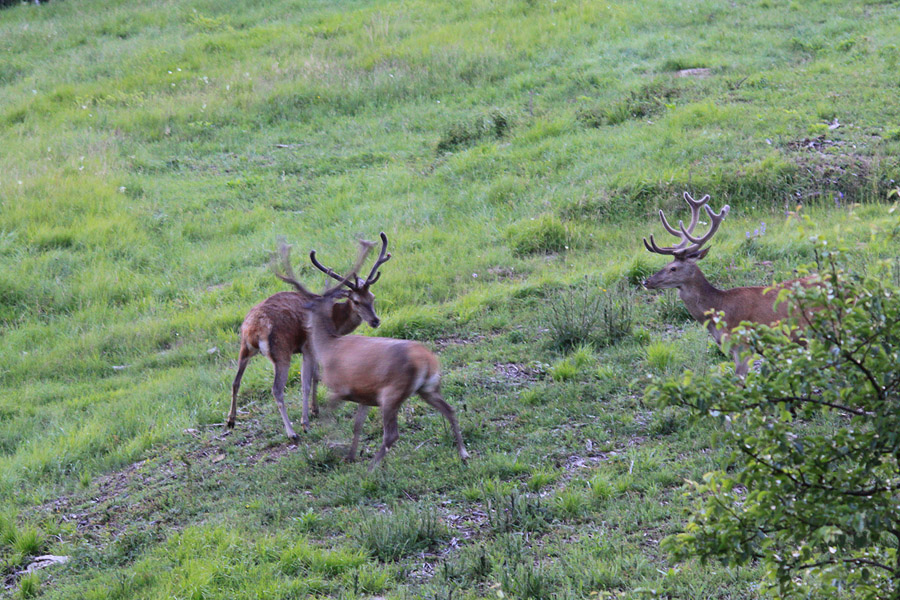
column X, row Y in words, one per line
column 372, row 371
column 755, row 303
column 276, row 327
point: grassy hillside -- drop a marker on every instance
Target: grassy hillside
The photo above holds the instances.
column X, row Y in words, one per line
column 514, row 152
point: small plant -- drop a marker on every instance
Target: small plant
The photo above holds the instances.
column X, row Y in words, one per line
column 570, row 503
column 322, row 459
column 541, row 478
column 600, row 488
column 758, row 232
column 564, row 370
column 517, row 512
column 671, row 309
column 405, row 531
column 661, row 356
column 28, row 542
column 29, row 585
column 529, row 582
column 370, row 580
column 308, row 521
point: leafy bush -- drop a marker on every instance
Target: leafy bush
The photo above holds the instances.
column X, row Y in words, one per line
column 811, row 490
column 588, row 313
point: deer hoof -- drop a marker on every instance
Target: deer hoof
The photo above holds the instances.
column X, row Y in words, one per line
column 229, row 424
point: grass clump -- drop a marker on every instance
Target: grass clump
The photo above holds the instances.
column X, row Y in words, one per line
column 389, row 537
column 541, row 478
column 493, row 126
column 662, row 356
column 544, row 234
column 517, row 512
column 589, row 314
column 648, row 100
column 30, row 585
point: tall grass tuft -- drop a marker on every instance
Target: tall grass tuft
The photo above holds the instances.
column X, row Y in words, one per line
column 590, row 314
column 405, row 531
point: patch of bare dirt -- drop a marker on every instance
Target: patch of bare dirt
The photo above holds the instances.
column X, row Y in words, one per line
column 518, row 374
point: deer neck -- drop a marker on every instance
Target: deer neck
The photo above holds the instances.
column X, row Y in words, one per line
column 700, row 296
column 344, row 318
column 322, row 331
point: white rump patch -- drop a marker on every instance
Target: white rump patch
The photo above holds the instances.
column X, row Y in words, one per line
column 264, row 347
column 430, row 384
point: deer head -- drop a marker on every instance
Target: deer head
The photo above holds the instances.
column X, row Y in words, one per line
column 683, row 270
column 357, row 289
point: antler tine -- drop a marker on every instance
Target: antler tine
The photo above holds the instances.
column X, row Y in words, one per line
column 652, row 247
column 284, row 251
column 364, row 249
column 668, row 227
column 695, row 209
column 715, row 220
column 326, row 270
column 383, row 257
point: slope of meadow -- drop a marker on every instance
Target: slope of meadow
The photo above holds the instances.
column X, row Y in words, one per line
column 515, row 153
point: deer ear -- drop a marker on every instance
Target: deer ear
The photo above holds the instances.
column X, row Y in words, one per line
column 699, row 255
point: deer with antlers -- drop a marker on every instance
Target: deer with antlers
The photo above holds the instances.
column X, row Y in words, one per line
column 276, row 328
column 373, row 371
column 754, row 303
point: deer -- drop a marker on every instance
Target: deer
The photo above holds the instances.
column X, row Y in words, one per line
column 276, row 328
column 373, row 371
column 756, row 304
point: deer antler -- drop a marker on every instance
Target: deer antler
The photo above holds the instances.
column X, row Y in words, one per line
column 285, row 271
column 351, row 281
column 383, row 257
column 689, row 244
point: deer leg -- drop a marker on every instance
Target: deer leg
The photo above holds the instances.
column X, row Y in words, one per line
column 281, row 376
column 358, row 421
column 389, row 409
column 243, row 358
column 741, row 367
column 313, row 391
column 434, row 398
column 308, row 381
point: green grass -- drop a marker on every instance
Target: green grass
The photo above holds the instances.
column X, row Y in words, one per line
column 515, row 153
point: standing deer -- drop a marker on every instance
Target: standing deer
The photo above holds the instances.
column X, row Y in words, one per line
column 372, row 371
column 755, row 303
column 276, row 327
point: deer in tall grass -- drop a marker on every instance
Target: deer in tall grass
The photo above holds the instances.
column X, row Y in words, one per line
column 276, row 328
column 755, row 304
column 373, row 371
